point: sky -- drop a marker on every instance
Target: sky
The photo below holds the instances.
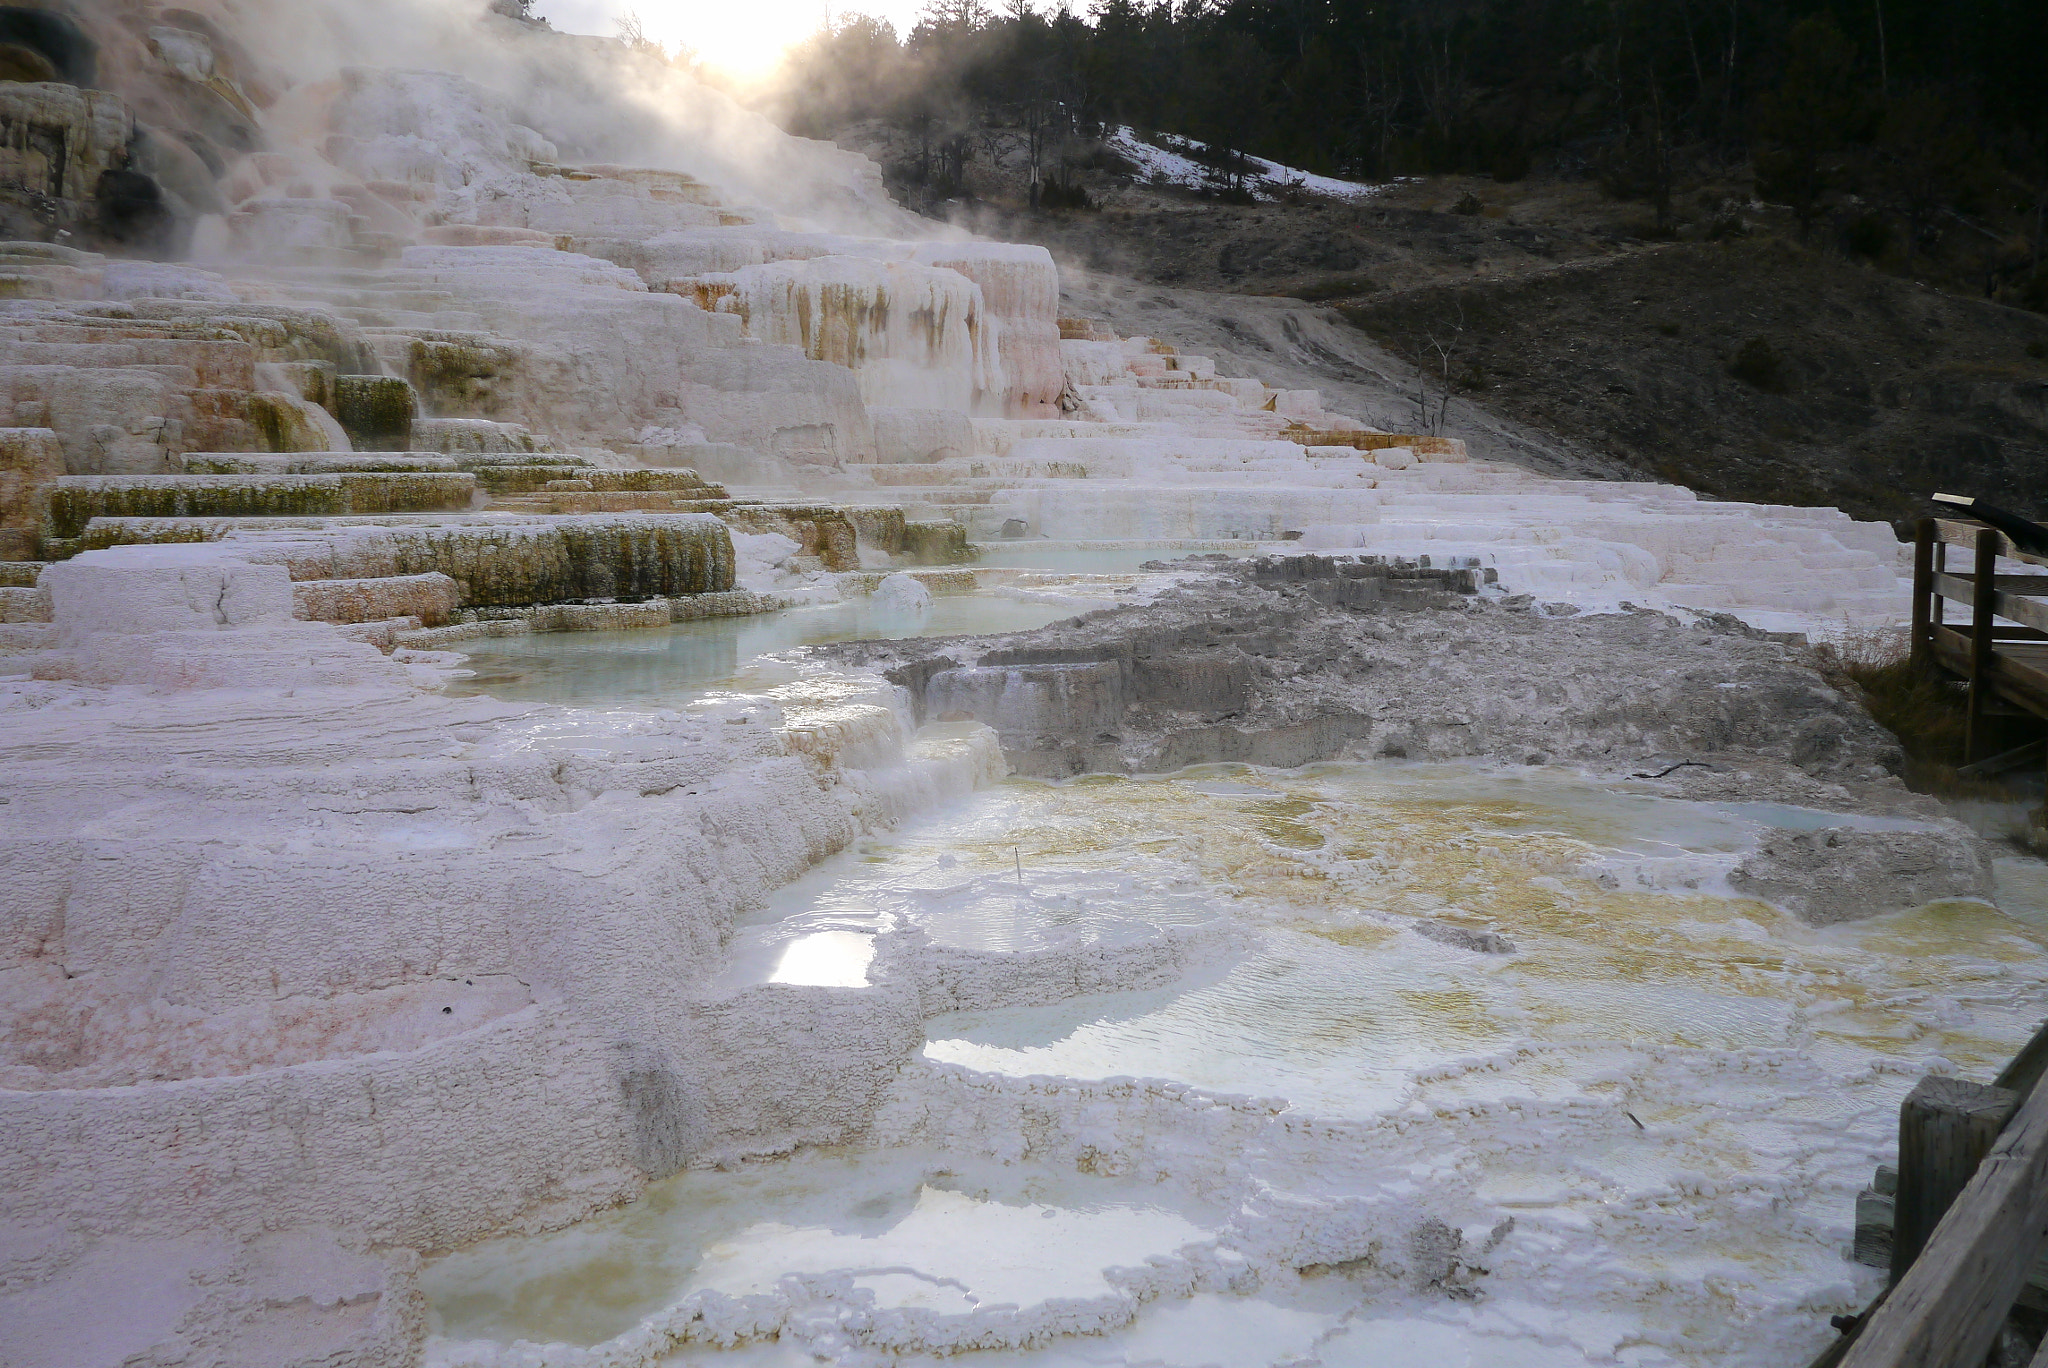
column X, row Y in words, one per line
column 744, row 37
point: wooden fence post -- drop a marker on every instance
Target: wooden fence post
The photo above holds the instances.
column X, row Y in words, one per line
column 1948, row 1309
column 1923, row 591
column 1983, row 600
column 1938, row 610
column 1946, row 1127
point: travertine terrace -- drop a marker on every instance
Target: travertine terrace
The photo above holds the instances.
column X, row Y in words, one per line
column 320, row 359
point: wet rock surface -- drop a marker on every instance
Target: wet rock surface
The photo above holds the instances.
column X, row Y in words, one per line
column 1841, row 874
column 1288, row 662
column 1465, row 937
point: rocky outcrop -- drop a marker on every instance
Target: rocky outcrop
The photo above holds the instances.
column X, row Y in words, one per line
column 1314, row 657
column 64, row 163
column 377, row 411
column 430, row 597
column 1841, row 873
column 75, row 500
column 30, row 460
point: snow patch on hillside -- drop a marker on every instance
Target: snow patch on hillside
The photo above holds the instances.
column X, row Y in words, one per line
column 1167, row 159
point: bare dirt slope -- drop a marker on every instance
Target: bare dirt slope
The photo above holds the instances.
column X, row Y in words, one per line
column 1753, row 370
column 1411, row 233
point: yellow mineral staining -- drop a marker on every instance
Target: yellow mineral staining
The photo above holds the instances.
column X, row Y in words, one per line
column 1606, row 898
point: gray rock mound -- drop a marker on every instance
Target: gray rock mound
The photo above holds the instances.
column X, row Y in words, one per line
column 1839, row 874
column 1283, row 663
column 1465, row 938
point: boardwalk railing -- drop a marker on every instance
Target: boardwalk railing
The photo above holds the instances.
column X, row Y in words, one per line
column 1970, row 1211
column 2006, row 665
column 1972, row 1221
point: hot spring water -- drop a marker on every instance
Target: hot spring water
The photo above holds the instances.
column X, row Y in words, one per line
column 664, row 667
column 1671, row 1093
column 1107, row 558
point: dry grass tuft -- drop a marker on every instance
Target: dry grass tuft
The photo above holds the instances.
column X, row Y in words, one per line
column 1924, row 708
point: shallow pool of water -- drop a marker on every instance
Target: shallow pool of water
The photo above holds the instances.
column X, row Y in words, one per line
column 1112, row 558
column 668, row 666
column 1345, row 1001
column 916, row 1230
column 1674, row 1093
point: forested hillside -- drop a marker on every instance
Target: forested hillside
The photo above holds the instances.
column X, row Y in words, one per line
column 1910, row 128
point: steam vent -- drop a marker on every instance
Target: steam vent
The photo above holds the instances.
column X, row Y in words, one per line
column 615, row 751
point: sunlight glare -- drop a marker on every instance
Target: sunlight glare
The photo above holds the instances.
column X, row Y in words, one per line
column 743, row 40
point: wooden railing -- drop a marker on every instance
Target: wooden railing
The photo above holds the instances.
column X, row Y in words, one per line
column 1970, row 1212
column 2005, row 663
column 1971, row 1222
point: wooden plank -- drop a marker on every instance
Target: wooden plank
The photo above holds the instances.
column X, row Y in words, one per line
column 2000, row 764
column 2023, row 677
column 2022, row 670
column 1950, row 649
column 1962, row 587
column 1946, row 1127
column 1962, row 532
column 2012, row 606
column 1957, row 532
column 2024, row 611
column 1939, row 605
column 2014, row 698
column 1947, row 1310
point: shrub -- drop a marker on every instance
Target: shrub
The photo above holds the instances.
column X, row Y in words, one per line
column 1648, row 230
column 1924, row 708
column 1757, row 363
column 1337, row 287
column 1054, row 194
column 1867, row 235
column 1510, row 163
column 1726, row 226
column 2034, row 291
column 1108, row 160
column 1917, row 705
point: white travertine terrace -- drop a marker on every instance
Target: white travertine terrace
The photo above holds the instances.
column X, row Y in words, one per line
column 306, row 968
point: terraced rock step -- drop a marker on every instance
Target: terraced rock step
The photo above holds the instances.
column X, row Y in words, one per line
column 72, row 501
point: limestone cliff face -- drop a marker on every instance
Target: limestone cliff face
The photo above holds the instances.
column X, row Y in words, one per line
column 58, row 145
column 117, row 120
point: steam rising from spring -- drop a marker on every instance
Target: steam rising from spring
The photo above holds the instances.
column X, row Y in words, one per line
column 453, row 78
